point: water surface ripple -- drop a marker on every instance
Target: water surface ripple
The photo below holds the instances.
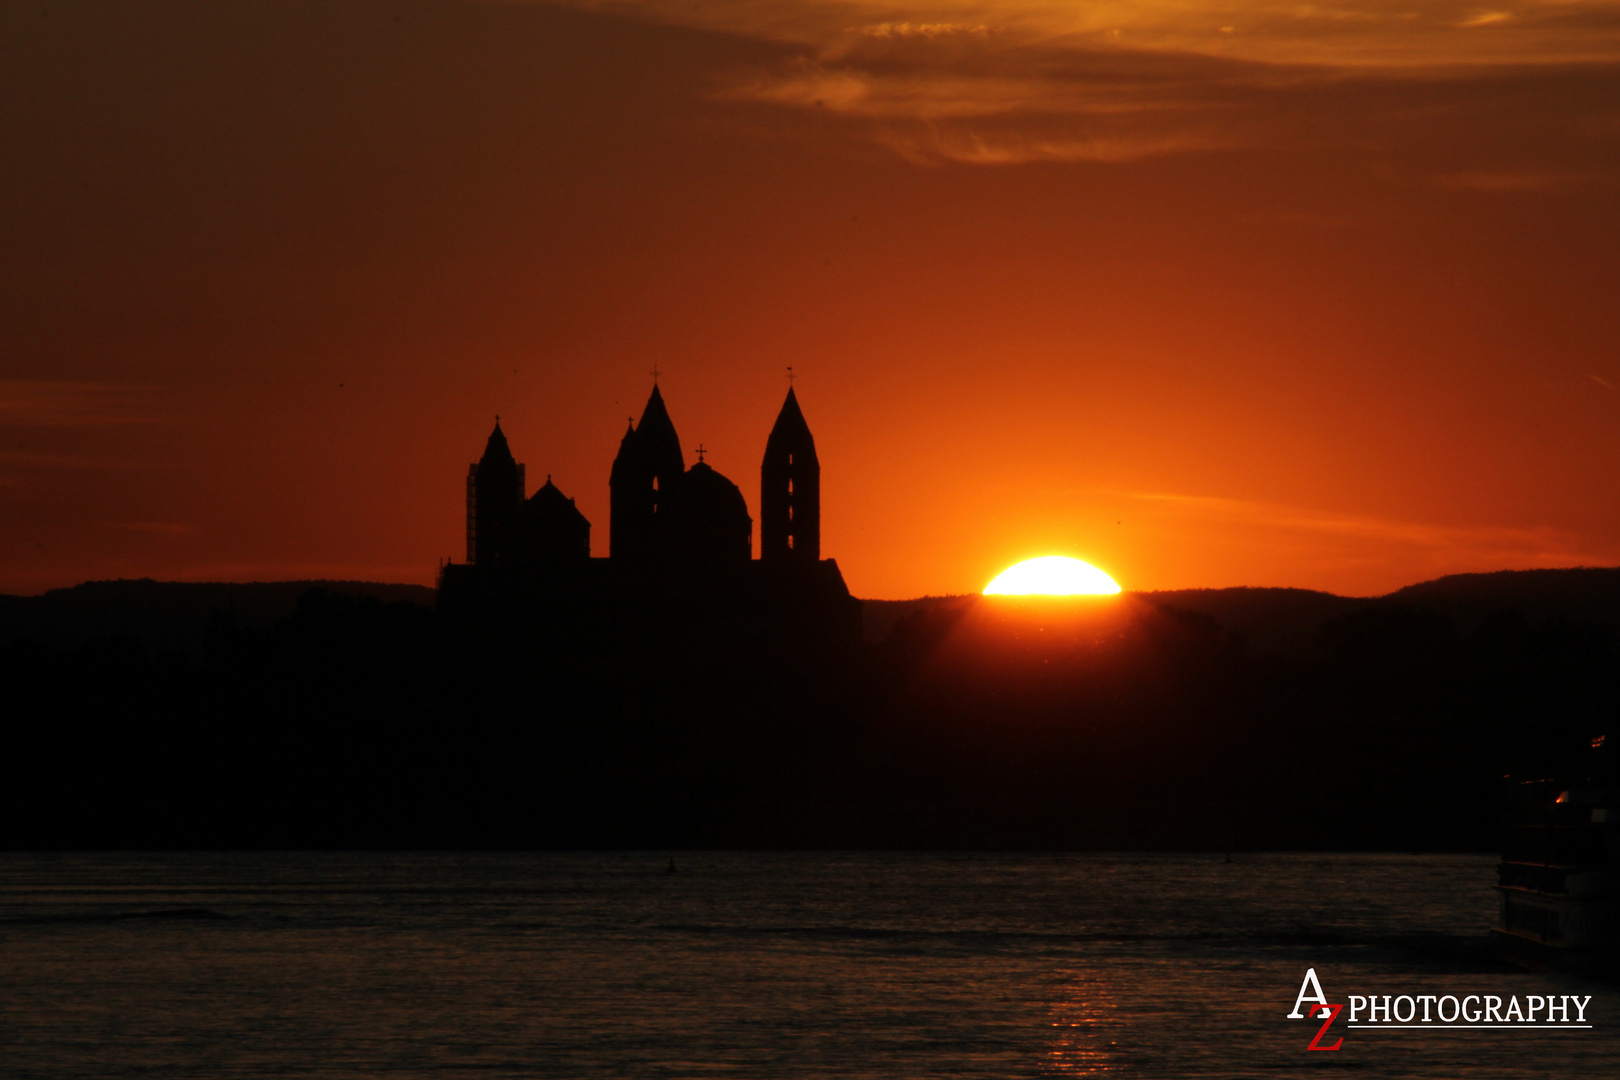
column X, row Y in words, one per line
column 747, row 965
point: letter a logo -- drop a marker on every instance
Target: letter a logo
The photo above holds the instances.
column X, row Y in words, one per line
column 1309, row 990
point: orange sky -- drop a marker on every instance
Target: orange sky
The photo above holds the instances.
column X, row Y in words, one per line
column 1206, row 294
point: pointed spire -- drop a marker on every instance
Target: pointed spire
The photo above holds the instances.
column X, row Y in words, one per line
column 496, row 449
column 791, row 428
column 495, row 492
column 649, row 464
column 660, row 444
column 655, row 406
column 627, row 462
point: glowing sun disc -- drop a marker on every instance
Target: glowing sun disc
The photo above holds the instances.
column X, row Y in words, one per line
column 1052, row 575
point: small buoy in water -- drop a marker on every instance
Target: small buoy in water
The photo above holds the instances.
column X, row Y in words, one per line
column 1228, row 858
column 670, row 869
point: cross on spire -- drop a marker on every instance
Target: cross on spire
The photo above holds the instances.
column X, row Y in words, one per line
column 655, row 374
column 700, row 451
column 790, row 375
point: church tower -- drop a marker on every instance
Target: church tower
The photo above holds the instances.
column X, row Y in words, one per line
column 790, row 491
column 649, row 466
column 494, row 495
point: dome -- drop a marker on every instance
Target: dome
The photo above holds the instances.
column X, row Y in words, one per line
column 708, row 518
column 703, row 486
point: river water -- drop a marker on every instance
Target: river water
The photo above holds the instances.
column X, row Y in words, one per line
column 750, row 965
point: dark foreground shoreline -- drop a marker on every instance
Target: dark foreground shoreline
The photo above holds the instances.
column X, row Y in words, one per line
column 368, row 721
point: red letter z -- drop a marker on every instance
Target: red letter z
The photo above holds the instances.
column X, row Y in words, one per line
column 1332, row 1016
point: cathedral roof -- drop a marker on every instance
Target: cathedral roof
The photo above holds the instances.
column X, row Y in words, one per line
column 549, row 503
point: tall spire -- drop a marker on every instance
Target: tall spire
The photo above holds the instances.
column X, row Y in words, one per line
column 494, row 495
column 628, row 461
column 790, row 490
column 650, row 462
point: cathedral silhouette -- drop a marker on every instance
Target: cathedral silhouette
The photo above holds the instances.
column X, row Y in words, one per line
column 680, row 545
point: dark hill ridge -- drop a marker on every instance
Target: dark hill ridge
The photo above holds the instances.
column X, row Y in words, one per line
column 879, row 617
column 175, row 615
column 1271, row 620
column 166, row 615
column 1589, row 594
column 1286, row 621
column 365, row 721
column 1282, row 621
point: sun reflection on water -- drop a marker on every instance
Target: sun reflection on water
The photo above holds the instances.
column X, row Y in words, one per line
column 1086, row 1026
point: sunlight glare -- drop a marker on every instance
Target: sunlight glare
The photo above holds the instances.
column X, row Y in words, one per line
column 1052, row 575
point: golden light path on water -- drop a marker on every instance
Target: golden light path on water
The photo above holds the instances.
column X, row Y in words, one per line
column 1052, row 575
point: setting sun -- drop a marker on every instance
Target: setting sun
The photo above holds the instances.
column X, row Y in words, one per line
column 1052, row 575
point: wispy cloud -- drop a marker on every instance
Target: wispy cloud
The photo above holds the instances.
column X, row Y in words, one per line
column 997, row 102
column 924, row 30
column 1017, row 109
column 51, row 426
column 1492, row 546
column 49, row 403
column 167, row 529
column 1011, row 81
column 1509, row 182
column 45, row 459
column 1332, row 32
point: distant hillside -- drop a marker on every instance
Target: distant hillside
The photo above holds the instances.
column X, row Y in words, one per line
column 1274, row 620
column 1586, row 594
column 167, row 614
column 1286, row 621
column 175, row 615
column 878, row 617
